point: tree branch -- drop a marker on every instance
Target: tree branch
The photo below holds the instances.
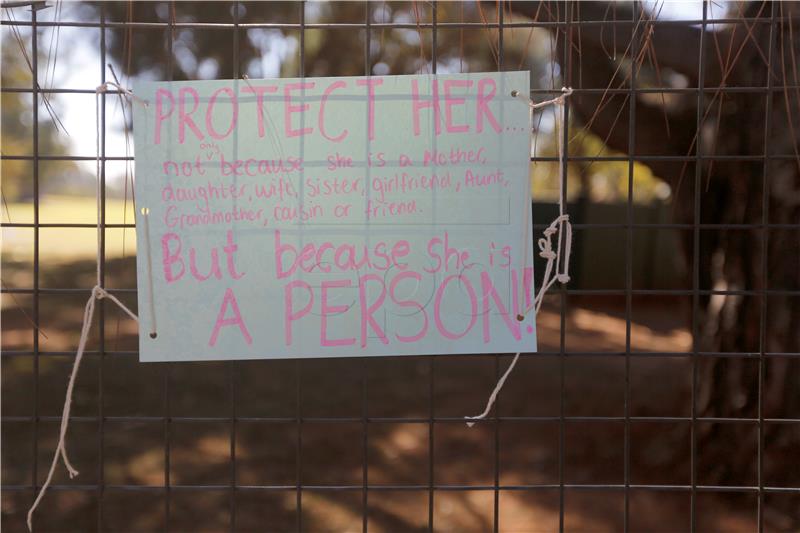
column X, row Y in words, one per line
column 609, row 115
column 677, row 46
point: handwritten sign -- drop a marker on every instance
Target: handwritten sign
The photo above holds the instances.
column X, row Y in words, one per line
column 325, row 217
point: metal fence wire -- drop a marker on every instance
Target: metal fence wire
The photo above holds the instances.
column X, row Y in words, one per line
column 380, row 444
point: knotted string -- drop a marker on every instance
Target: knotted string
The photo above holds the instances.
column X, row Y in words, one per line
column 98, row 293
column 556, row 269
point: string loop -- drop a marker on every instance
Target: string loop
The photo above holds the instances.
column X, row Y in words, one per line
column 556, row 269
column 98, row 293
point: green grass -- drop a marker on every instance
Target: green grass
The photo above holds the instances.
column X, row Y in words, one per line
column 67, row 244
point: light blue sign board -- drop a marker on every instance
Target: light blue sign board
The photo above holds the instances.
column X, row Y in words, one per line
column 329, row 217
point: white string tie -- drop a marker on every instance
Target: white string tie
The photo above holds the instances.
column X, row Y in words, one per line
column 555, row 269
column 559, row 100
column 98, row 293
column 105, row 87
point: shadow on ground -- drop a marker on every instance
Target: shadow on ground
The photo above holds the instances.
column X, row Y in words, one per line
column 171, row 425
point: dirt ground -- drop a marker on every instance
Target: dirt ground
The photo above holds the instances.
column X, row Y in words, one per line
column 269, row 395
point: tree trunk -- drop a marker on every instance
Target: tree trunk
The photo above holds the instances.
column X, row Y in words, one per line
column 746, row 321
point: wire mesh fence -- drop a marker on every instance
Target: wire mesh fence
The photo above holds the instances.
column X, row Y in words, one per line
column 629, row 417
